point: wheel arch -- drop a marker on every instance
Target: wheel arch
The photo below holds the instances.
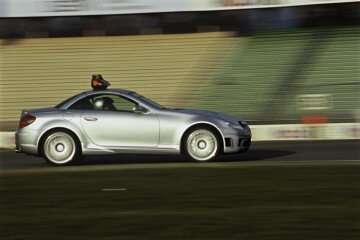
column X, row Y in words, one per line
column 205, row 125
column 62, row 129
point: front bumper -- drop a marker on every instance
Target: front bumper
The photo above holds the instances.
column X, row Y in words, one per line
column 236, row 140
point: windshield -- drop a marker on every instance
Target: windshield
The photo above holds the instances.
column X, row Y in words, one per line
column 147, row 101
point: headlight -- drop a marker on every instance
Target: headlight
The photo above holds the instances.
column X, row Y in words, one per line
column 236, row 126
column 243, row 123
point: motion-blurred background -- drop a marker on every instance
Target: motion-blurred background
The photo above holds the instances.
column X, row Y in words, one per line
column 269, row 62
column 289, row 68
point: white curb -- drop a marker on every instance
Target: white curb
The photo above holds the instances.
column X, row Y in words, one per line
column 7, row 140
column 330, row 131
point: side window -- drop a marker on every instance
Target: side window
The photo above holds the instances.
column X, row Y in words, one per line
column 82, row 104
column 122, row 104
column 106, row 102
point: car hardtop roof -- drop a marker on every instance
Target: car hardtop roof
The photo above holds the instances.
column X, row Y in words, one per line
column 112, row 90
column 66, row 103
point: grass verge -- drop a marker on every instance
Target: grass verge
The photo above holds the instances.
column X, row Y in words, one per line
column 249, row 202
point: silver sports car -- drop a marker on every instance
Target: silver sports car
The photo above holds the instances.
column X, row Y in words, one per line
column 112, row 121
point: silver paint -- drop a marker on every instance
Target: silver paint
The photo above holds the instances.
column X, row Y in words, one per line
column 149, row 128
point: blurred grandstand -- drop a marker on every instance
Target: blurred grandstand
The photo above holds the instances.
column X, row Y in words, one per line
column 268, row 66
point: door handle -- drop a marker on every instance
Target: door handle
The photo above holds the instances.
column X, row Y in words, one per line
column 90, row 119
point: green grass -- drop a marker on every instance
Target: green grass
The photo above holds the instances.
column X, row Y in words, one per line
column 245, row 202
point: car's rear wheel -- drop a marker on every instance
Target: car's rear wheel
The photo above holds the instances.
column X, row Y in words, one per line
column 60, row 148
column 202, row 145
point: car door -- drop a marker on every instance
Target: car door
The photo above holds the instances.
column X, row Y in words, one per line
column 112, row 123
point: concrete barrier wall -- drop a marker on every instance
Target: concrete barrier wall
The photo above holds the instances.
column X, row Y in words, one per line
column 334, row 131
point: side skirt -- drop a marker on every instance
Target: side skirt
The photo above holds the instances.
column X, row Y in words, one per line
column 94, row 150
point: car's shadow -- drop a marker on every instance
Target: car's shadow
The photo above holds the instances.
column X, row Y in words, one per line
column 252, row 155
column 257, row 155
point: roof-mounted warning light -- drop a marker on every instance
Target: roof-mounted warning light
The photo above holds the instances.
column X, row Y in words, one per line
column 98, row 83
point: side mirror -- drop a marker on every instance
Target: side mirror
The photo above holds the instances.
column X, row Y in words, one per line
column 139, row 109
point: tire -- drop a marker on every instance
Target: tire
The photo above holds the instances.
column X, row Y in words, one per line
column 201, row 145
column 61, row 148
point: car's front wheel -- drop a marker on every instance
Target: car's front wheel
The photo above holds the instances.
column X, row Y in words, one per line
column 202, row 145
column 60, row 148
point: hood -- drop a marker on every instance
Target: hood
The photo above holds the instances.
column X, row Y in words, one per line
column 218, row 115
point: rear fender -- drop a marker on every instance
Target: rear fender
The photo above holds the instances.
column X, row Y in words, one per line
column 74, row 128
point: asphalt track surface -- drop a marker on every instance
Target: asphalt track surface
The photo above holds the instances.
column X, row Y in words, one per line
column 260, row 152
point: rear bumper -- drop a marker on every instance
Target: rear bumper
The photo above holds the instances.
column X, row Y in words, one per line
column 17, row 150
column 26, row 141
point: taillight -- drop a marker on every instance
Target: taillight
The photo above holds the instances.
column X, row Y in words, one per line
column 26, row 120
